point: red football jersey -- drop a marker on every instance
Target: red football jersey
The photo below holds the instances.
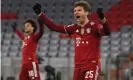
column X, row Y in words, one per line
column 29, row 49
column 87, row 44
column 87, row 41
column 29, row 46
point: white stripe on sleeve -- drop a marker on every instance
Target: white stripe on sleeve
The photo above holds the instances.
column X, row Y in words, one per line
column 65, row 30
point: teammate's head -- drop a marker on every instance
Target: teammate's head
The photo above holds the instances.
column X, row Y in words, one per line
column 82, row 11
column 30, row 26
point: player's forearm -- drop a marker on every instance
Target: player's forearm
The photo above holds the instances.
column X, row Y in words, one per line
column 103, row 19
column 51, row 25
column 19, row 33
column 40, row 33
column 41, row 28
column 106, row 29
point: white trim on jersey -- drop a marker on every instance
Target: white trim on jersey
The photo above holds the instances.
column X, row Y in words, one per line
column 65, row 30
column 34, row 69
column 96, row 74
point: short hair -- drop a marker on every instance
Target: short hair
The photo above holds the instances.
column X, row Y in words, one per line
column 32, row 22
column 85, row 5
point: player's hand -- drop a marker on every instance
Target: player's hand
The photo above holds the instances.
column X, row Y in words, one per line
column 100, row 13
column 37, row 8
column 14, row 25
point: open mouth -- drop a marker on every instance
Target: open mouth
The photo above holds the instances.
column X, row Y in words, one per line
column 77, row 17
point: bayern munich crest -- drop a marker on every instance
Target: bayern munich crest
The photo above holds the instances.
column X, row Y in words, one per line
column 88, row 30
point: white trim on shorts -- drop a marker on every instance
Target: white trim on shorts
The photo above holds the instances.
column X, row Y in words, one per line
column 34, row 69
column 96, row 74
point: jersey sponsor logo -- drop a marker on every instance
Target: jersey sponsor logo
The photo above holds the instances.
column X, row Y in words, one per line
column 86, row 42
column 83, row 42
column 78, row 39
column 88, row 30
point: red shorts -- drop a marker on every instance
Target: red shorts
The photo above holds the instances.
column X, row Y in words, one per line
column 29, row 71
column 90, row 72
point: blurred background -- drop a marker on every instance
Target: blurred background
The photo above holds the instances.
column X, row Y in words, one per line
column 55, row 51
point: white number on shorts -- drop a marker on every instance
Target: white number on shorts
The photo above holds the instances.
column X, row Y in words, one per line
column 89, row 74
column 31, row 73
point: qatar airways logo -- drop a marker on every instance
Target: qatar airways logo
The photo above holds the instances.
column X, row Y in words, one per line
column 78, row 40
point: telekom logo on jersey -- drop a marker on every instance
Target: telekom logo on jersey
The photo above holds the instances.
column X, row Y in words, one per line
column 78, row 39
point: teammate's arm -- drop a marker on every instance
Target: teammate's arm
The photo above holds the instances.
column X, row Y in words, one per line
column 41, row 30
column 102, row 29
column 51, row 25
column 17, row 31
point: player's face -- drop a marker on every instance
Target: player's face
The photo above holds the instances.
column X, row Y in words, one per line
column 80, row 14
column 28, row 28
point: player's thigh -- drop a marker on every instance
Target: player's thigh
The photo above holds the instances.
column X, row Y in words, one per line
column 33, row 71
column 92, row 73
column 23, row 74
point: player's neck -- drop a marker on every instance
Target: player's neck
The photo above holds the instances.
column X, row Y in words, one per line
column 29, row 33
column 82, row 24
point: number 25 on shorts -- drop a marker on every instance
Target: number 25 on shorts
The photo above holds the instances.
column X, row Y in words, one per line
column 89, row 74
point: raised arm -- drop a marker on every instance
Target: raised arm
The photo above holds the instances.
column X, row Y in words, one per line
column 51, row 25
column 41, row 30
column 17, row 31
column 54, row 27
column 102, row 29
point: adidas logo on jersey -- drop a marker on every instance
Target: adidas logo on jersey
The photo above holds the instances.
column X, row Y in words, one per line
column 77, row 30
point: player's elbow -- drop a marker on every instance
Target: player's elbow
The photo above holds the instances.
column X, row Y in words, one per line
column 41, row 32
column 106, row 30
column 53, row 28
column 107, row 33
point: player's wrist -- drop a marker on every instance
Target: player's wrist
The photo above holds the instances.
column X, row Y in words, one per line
column 40, row 14
column 14, row 25
column 103, row 20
